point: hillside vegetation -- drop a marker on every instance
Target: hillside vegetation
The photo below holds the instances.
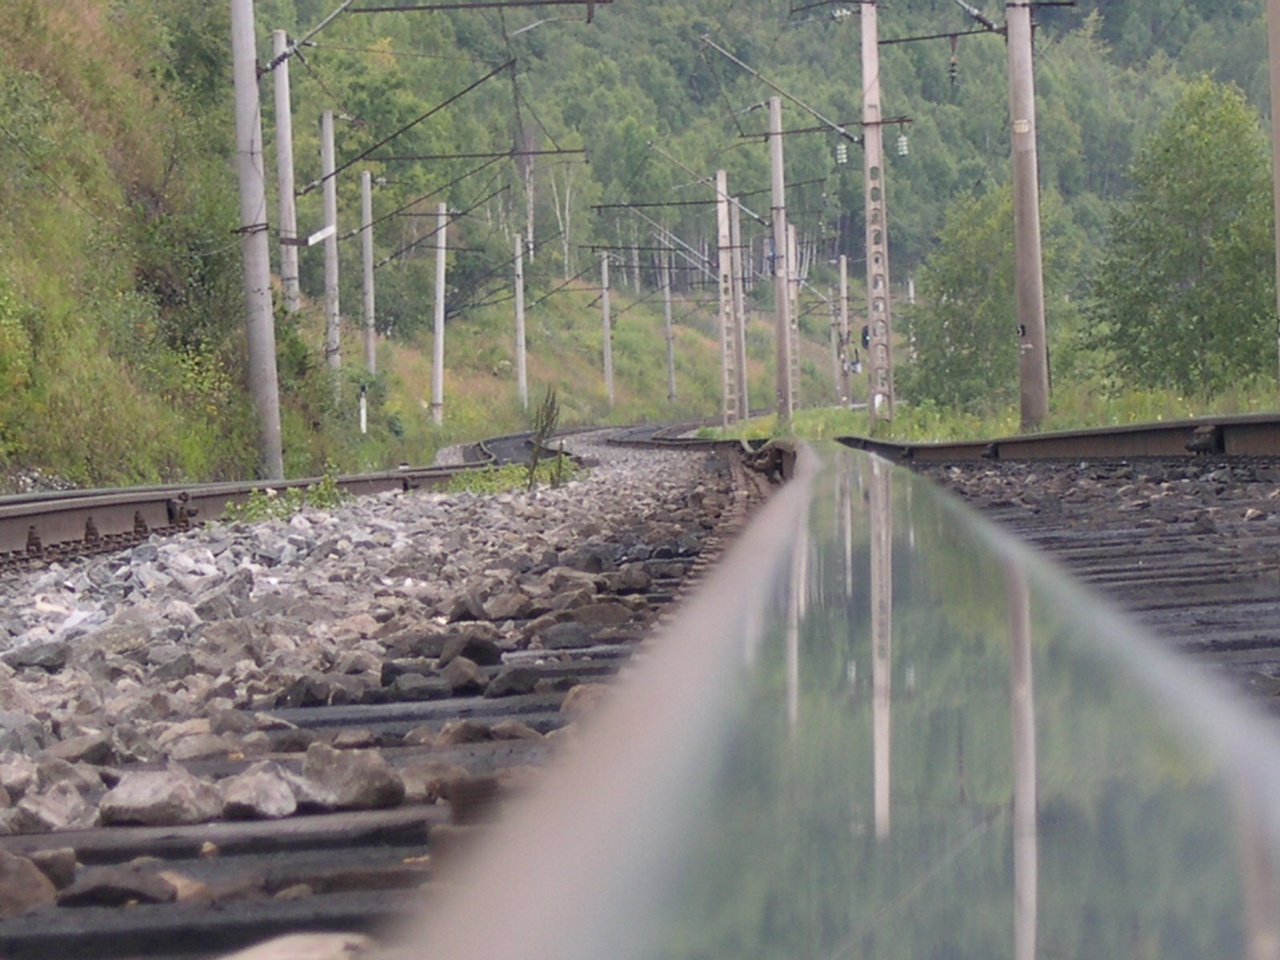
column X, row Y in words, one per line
column 121, row 317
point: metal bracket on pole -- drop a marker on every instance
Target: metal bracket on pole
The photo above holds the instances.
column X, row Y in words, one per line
column 321, row 235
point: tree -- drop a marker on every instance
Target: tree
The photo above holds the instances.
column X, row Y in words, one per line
column 1185, row 292
column 963, row 332
column 962, row 335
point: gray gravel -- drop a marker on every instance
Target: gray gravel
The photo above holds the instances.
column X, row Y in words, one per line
column 176, row 650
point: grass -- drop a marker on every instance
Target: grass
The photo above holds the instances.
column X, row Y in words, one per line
column 554, row 472
column 565, row 356
column 271, row 504
column 1071, row 408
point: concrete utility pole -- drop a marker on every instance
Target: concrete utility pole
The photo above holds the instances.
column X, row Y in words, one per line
column 781, row 294
column 668, row 328
column 739, row 308
column 333, row 317
column 724, row 283
column 522, row 376
column 608, row 328
column 437, row 366
column 845, row 362
column 254, row 244
column 880, row 362
column 366, row 250
column 1033, row 363
column 793, row 310
column 284, row 174
column 836, row 349
column 1273, row 47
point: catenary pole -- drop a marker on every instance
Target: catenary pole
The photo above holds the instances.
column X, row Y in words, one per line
column 1033, row 364
column 332, row 314
column 724, row 286
column 668, row 328
column 845, row 397
column 254, row 244
column 608, row 328
column 437, row 365
column 1273, row 46
column 793, row 311
column 880, row 347
column 366, row 250
column 522, row 374
column 739, row 308
column 289, row 285
column 836, row 351
column 781, row 295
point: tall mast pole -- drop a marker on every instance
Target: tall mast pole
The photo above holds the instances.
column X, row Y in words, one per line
column 724, row 273
column 1273, row 46
column 254, row 245
column 781, row 293
column 845, row 396
column 880, row 362
column 668, row 327
column 332, row 311
column 607, row 323
column 366, row 256
column 522, row 374
column 739, row 309
column 1033, row 363
column 284, row 174
column 437, row 357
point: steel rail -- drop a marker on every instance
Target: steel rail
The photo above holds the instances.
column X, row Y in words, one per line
column 72, row 522
column 63, row 525
column 1255, row 434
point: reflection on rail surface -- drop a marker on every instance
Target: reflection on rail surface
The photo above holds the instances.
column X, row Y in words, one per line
column 881, row 731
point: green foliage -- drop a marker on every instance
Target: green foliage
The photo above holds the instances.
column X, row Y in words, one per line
column 490, row 480
column 1185, row 291
column 963, row 335
column 272, row 504
column 545, row 420
column 15, row 372
column 121, row 340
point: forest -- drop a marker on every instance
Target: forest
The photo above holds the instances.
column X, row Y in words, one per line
column 121, row 313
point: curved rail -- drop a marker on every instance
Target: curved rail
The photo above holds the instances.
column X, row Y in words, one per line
column 71, row 523
column 1236, row 435
column 66, row 524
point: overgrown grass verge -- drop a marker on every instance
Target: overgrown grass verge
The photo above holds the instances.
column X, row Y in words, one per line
column 554, row 472
column 1071, row 408
column 271, row 504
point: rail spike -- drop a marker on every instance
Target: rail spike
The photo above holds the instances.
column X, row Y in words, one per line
column 1207, row 439
column 180, row 514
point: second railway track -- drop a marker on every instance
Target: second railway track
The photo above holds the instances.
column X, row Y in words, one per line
column 1189, row 545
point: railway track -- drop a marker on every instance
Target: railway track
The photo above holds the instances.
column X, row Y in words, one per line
column 1177, row 523
column 455, row 727
column 1187, row 540
column 69, row 524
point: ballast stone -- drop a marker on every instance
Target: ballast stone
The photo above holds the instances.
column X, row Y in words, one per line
column 351, row 605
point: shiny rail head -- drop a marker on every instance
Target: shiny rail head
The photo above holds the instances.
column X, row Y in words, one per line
column 882, row 730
